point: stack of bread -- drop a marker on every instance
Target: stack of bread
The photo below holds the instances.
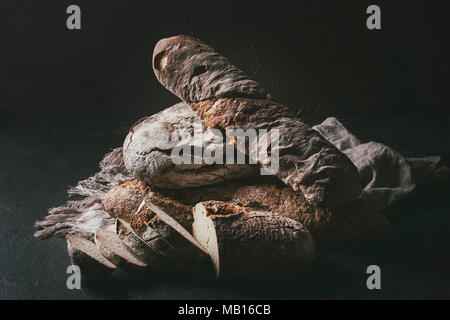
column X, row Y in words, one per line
column 178, row 216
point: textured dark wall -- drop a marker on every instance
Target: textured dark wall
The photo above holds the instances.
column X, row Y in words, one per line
column 315, row 56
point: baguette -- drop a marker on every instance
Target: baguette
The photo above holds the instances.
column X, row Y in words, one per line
column 225, row 97
column 243, row 242
column 87, row 257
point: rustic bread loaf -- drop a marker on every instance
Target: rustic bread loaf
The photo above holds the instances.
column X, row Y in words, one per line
column 148, row 146
column 87, row 257
column 244, row 242
column 330, row 227
column 225, row 97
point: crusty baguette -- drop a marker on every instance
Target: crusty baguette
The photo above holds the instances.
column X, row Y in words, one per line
column 138, row 246
column 148, row 146
column 87, row 257
column 225, row 97
column 244, row 242
column 112, row 248
column 330, row 228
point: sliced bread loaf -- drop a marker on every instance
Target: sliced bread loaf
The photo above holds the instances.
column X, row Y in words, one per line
column 331, row 228
column 189, row 249
column 139, row 247
column 153, row 239
column 86, row 255
column 113, row 248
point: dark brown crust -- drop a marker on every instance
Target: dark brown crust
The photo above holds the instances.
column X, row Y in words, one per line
column 220, row 208
column 234, row 112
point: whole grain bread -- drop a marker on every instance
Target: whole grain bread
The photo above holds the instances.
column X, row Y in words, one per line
column 225, row 97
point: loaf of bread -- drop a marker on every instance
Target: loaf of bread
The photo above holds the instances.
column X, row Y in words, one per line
column 330, row 227
column 147, row 151
column 226, row 98
column 244, row 242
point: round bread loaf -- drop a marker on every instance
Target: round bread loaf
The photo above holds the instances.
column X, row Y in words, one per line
column 147, row 151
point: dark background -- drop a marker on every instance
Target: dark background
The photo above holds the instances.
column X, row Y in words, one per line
column 315, row 56
column 68, row 97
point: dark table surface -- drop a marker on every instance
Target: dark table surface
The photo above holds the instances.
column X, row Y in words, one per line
column 39, row 162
